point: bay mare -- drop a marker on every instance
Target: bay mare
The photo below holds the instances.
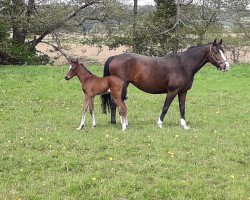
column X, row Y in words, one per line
column 93, row 85
column 172, row 74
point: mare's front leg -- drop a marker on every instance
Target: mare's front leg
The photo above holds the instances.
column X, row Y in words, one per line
column 91, row 110
column 85, row 109
column 182, row 100
column 169, row 98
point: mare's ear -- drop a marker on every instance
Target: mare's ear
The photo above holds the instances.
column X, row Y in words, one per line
column 214, row 43
column 220, row 43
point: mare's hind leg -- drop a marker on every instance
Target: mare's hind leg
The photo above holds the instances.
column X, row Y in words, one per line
column 85, row 109
column 113, row 111
column 91, row 110
column 182, row 100
column 169, row 98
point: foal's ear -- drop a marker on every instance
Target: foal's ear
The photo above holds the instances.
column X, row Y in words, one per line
column 220, row 43
column 214, row 43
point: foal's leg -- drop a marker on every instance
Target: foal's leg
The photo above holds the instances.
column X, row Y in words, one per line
column 182, row 100
column 126, row 113
column 85, row 109
column 123, row 113
column 113, row 106
column 169, row 98
column 91, row 110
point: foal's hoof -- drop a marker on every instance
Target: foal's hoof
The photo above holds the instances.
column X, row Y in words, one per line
column 93, row 126
column 79, row 128
column 186, row 127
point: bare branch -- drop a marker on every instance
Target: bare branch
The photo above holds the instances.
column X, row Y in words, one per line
column 164, row 32
column 57, row 48
column 245, row 31
column 81, row 8
column 181, row 2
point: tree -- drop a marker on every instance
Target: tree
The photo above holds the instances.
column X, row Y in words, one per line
column 237, row 16
column 30, row 21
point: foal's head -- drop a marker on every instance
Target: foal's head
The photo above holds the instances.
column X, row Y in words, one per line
column 74, row 64
column 217, row 56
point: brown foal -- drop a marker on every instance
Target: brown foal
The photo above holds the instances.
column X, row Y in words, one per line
column 93, row 85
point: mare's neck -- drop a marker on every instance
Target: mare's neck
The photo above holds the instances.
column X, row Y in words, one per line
column 194, row 59
column 82, row 74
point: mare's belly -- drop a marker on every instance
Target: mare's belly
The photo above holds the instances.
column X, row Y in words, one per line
column 151, row 87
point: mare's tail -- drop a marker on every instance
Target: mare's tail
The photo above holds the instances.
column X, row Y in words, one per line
column 106, row 71
column 106, row 98
column 106, row 102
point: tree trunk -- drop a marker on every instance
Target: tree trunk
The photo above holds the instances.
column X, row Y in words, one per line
column 135, row 42
column 19, row 32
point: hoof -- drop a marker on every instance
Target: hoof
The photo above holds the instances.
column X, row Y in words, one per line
column 186, row 127
column 159, row 123
column 80, row 127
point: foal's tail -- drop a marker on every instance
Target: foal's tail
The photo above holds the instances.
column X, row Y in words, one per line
column 106, row 98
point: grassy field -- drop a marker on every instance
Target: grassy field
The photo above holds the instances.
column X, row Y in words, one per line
column 43, row 156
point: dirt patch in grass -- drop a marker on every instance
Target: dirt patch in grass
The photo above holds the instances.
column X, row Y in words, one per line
column 84, row 53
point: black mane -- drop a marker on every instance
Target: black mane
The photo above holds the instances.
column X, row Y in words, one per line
column 195, row 46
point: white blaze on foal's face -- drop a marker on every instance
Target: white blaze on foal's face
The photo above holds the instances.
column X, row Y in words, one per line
column 70, row 73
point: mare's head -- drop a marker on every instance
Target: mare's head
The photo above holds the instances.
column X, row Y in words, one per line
column 217, row 56
column 74, row 64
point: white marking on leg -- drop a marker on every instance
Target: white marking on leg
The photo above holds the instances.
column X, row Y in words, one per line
column 225, row 59
column 123, row 123
column 159, row 123
column 126, row 119
column 82, row 121
column 93, row 120
column 183, row 124
column 121, row 119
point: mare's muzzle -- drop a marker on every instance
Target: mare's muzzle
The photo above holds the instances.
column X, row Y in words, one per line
column 67, row 78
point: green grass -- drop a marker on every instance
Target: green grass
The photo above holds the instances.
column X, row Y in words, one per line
column 44, row 157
